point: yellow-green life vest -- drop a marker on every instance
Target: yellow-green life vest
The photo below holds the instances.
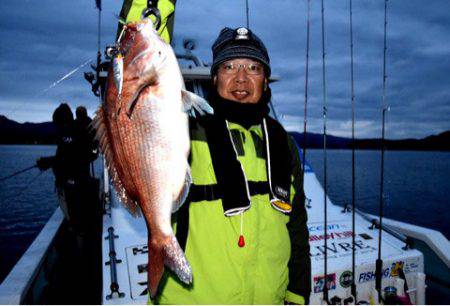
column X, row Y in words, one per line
column 223, row 272
column 132, row 11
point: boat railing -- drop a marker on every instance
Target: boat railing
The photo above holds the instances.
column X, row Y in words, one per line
column 433, row 244
column 14, row 288
column 434, row 239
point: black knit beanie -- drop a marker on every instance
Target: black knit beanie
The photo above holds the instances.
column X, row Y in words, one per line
column 240, row 42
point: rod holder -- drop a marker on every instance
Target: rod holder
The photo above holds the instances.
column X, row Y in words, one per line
column 420, row 292
column 113, row 261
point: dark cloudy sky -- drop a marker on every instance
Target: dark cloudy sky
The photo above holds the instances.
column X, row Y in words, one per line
column 41, row 41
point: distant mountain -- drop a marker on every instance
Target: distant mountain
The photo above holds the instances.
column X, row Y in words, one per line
column 314, row 140
column 12, row 132
column 440, row 142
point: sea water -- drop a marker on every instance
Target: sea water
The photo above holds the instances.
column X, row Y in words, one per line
column 416, row 190
column 416, row 184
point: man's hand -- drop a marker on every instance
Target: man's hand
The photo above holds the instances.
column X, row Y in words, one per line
column 43, row 163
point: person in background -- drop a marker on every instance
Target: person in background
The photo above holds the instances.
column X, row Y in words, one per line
column 78, row 196
column 243, row 226
column 62, row 163
column 75, row 152
column 85, row 143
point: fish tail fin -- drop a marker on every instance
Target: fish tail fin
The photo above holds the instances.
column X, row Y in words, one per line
column 171, row 255
column 176, row 261
column 155, row 268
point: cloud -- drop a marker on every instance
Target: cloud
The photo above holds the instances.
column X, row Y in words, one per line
column 42, row 41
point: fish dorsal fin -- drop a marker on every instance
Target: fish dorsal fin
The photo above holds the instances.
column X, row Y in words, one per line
column 192, row 102
column 181, row 197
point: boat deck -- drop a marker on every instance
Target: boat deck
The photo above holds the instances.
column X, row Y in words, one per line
column 131, row 249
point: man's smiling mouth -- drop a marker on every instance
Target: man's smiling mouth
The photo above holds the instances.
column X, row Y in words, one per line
column 240, row 94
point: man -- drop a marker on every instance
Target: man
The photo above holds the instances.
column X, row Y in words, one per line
column 243, row 226
column 86, row 146
column 78, row 197
column 77, row 190
column 62, row 162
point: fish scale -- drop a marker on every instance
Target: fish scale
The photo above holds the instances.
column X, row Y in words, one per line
column 142, row 128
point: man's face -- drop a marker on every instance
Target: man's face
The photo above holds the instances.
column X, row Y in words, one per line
column 242, row 80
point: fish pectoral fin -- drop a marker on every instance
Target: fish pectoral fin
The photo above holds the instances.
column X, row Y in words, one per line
column 193, row 102
column 182, row 195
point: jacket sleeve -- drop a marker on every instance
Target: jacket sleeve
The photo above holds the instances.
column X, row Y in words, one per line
column 132, row 11
column 299, row 287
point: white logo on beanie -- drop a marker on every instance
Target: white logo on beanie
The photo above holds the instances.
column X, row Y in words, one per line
column 241, row 33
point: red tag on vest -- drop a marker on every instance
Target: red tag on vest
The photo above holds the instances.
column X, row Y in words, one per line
column 241, row 242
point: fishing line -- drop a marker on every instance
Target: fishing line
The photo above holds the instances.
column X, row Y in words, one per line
column 325, row 288
column 17, row 173
column 379, row 261
column 54, row 84
column 64, row 77
column 306, row 91
column 353, row 285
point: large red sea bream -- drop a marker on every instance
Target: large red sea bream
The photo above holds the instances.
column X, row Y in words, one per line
column 142, row 127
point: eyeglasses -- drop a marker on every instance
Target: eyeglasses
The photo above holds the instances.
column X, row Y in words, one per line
column 233, row 68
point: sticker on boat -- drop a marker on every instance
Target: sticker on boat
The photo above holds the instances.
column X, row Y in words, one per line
column 339, row 242
column 137, row 270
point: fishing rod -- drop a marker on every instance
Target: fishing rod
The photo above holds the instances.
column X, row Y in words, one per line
column 353, row 285
column 379, row 261
column 273, row 111
column 306, row 90
column 98, row 3
column 99, row 52
column 247, row 13
column 17, row 173
column 325, row 288
column 26, row 186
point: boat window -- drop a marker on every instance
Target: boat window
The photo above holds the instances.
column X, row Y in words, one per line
column 189, row 86
column 206, row 87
